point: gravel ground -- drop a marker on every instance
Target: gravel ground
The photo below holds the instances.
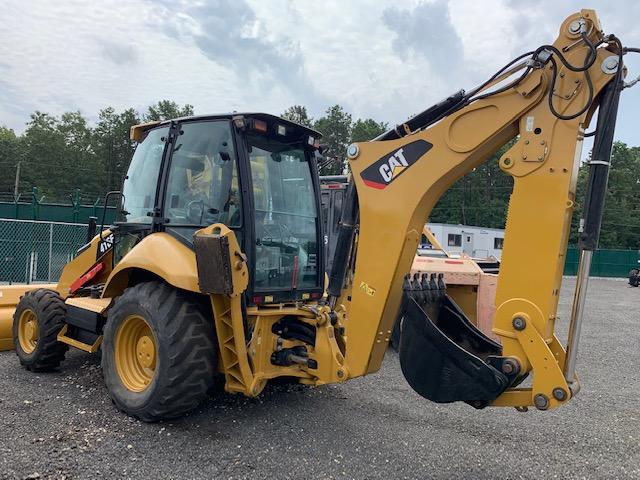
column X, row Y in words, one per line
column 63, row 425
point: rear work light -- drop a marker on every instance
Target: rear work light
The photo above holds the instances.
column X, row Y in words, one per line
column 260, row 126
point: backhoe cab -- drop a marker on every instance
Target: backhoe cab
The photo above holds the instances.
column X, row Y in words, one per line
column 253, row 173
column 216, row 261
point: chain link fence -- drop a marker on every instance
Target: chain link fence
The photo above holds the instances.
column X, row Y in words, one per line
column 37, row 251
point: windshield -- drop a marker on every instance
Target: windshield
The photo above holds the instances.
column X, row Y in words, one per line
column 285, row 216
column 139, row 189
column 202, row 188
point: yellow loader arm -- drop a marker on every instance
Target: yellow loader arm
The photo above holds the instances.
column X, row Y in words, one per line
column 399, row 177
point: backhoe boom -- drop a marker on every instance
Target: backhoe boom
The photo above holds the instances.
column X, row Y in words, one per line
column 398, row 181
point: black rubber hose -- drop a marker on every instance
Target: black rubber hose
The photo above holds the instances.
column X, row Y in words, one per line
column 600, row 165
column 552, row 88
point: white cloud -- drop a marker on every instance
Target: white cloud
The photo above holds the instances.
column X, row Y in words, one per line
column 386, row 59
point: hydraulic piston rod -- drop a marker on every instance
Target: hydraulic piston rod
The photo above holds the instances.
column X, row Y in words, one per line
column 591, row 220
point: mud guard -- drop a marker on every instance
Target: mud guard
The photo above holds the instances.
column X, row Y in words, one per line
column 447, row 362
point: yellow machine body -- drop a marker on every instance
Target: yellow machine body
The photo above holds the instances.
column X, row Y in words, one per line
column 351, row 339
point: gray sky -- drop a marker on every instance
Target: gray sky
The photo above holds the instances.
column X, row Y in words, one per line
column 385, row 59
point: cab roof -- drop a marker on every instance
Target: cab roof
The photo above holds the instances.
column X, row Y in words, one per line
column 137, row 131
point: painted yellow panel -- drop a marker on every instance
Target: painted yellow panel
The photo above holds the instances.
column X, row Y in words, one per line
column 162, row 255
column 82, row 264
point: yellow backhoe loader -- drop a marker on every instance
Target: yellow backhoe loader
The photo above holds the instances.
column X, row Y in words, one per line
column 215, row 265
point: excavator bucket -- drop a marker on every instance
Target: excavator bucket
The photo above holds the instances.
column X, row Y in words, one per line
column 443, row 356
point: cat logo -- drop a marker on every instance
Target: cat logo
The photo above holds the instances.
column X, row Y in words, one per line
column 394, row 166
column 381, row 173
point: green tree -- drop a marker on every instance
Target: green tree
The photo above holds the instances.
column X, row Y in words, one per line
column 113, row 146
column 367, row 129
column 335, row 127
column 479, row 198
column 299, row 115
column 44, row 155
column 10, row 155
column 81, row 168
column 167, row 110
column 60, row 154
column 621, row 217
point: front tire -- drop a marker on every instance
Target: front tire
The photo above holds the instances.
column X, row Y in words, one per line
column 159, row 351
column 37, row 320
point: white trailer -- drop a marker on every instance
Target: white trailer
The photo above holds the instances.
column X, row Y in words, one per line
column 476, row 242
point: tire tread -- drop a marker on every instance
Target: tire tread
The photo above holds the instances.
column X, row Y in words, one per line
column 191, row 349
column 50, row 310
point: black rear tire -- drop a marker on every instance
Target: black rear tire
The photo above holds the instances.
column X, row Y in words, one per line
column 50, row 313
column 185, row 346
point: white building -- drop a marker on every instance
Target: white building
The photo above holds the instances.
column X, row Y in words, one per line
column 477, row 242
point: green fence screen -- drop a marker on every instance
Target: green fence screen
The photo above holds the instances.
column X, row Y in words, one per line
column 606, row 263
column 54, row 212
column 34, row 251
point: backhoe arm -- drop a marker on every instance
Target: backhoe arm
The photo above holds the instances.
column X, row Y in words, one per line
column 398, row 180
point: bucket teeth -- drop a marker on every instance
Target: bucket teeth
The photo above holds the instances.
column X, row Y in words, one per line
column 406, row 284
column 418, row 294
column 433, row 283
column 426, row 288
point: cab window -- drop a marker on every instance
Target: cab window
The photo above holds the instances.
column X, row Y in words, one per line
column 141, row 182
column 202, row 185
column 286, row 223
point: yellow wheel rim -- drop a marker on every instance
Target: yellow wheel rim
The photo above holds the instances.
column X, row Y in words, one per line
column 135, row 353
column 28, row 331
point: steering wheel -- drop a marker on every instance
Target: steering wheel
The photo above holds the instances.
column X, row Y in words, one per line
column 195, row 211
